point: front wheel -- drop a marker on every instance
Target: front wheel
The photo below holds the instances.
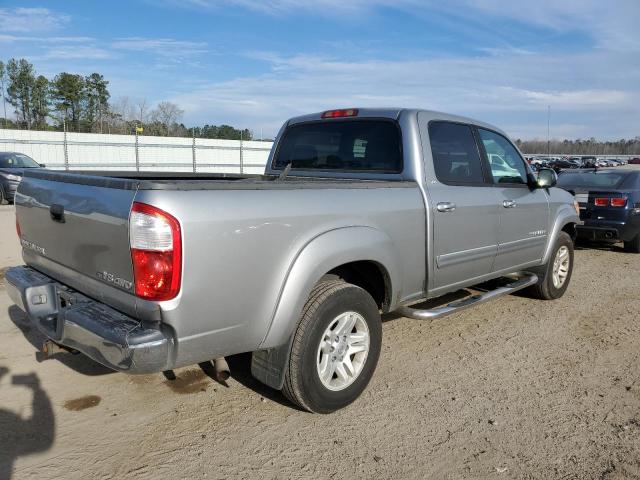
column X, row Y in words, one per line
column 335, row 348
column 555, row 275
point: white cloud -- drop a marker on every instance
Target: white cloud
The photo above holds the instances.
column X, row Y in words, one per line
column 612, row 24
column 500, row 89
column 579, row 98
column 31, row 20
column 166, row 47
column 84, row 52
column 292, row 7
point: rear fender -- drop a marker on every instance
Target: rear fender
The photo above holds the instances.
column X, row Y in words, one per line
column 324, row 253
column 321, row 255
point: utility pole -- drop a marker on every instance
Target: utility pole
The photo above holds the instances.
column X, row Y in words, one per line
column 548, row 130
column 241, row 159
column 193, row 151
column 137, row 151
column 66, row 148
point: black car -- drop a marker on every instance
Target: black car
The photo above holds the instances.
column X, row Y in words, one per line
column 609, row 204
column 12, row 164
column 561, row 164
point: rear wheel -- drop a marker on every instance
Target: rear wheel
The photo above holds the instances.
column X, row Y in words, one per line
column 3, row 200
column 633, row 245
column 335, row 348
column 555, row 275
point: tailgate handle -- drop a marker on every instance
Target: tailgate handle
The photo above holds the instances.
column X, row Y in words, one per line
column 57, row 213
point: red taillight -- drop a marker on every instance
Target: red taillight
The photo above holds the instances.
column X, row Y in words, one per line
column 18, row 231
column 618, row 202
column 156, row 252
column 345, row 112
column 601, row 202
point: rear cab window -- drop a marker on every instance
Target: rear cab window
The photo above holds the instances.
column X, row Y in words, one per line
column 363, row 145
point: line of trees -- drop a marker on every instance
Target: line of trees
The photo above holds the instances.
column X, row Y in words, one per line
column 590, row 146
column 83, row 104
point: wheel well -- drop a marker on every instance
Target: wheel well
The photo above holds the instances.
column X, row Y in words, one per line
column 570, row 229
column 368, row 275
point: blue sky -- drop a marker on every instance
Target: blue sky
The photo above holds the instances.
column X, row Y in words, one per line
column 254, row 63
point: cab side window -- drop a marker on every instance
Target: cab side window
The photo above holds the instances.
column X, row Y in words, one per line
column 506, row 165
column 455, row 154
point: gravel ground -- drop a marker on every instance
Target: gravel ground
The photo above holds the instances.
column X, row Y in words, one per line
column 515, row 388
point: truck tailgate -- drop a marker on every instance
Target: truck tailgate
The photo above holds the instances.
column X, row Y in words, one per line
column 77, row 223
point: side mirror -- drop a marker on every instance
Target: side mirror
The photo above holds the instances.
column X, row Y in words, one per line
column 42, row 165
column 547, row 178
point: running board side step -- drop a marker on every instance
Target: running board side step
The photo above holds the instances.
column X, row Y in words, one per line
column 523, row 280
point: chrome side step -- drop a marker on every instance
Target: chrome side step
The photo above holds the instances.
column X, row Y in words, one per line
column 521, row 280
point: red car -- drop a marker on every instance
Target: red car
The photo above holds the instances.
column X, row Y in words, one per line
column 634, row 161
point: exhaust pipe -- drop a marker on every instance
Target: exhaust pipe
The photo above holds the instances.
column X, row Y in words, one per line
column 50, row 348
column 221, row 369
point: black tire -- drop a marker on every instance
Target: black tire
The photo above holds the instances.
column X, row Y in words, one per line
column 545, row 289
column 3, row 200
column 633, row 245
column 302, row 384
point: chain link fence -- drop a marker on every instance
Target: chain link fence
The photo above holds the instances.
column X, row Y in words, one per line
column 92, row 151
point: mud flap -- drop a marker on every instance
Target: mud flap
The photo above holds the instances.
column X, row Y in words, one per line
column 268, row 366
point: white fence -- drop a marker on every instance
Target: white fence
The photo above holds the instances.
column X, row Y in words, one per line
column 92, row 151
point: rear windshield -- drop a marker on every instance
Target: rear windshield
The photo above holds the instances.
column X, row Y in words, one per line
column 353, row 145
column 592, row 179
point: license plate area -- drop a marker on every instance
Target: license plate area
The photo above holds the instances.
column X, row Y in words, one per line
column 63, row 299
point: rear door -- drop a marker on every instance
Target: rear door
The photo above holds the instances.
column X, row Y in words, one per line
column 465, row 207
column 524, row 212
column 77, row 226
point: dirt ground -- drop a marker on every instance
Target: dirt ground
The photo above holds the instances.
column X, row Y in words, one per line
column 515, row 388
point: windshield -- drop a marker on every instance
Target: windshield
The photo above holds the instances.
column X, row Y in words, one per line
column 16, row 160
column 592, row 179
column 352, row 145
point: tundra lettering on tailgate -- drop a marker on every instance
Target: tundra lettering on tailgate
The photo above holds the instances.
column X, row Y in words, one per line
column 111, row 278
column 32, row 246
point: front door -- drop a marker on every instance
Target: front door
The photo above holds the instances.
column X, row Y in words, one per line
column 524, row 212
column 465, row 207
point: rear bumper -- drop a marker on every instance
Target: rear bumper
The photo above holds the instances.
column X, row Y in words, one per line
column 609, row 231
column 71, row 319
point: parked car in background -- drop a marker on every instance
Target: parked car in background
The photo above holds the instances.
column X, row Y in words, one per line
column 634, row 161
column 501, row 168
column 12, row 166
column 359, row 212
column 609, row 204
column 577, row 161
column 589, row 162
column 560, row 164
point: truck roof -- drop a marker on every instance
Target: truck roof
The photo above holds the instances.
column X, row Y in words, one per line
column 395, row 113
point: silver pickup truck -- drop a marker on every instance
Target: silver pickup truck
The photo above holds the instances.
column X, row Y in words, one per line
column 359, row 212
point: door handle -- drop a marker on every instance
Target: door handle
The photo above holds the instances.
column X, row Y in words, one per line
column 446, row 206
column 509, row 203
